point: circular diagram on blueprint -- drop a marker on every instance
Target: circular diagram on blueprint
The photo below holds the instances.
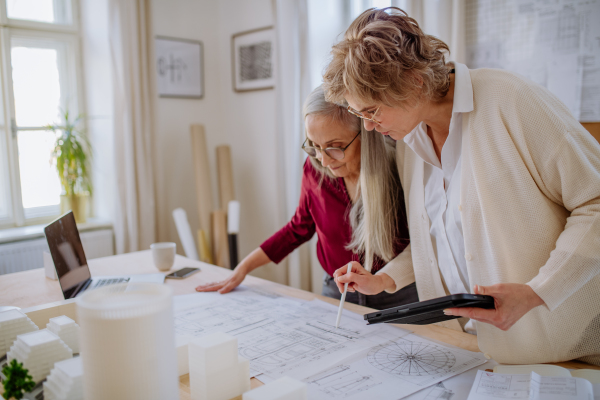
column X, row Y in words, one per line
column 406, row 358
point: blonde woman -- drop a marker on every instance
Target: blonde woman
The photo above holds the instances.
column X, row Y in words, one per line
column 502, row 186
column 331, row 205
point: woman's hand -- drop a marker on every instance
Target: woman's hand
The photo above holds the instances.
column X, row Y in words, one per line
column 512, row 300
column 252, row 261
column 227, row 285
column 359, row 279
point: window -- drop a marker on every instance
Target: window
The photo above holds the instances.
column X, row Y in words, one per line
column 41, row 75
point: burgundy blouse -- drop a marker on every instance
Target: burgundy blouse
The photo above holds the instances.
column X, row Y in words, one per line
column 324, row 209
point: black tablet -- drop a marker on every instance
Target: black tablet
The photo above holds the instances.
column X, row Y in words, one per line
column 430, row 311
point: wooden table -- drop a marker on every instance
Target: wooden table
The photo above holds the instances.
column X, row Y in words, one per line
column 31, row 288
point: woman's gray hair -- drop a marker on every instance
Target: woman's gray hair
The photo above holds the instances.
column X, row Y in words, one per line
column 315, row 104
column 374, row 227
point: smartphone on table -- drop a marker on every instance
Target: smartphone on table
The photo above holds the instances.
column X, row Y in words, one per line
column 183, row 273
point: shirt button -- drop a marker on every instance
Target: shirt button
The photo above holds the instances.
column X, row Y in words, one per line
column 423, row 216
column 468, row 256
column 460, row 207
column 430, row 261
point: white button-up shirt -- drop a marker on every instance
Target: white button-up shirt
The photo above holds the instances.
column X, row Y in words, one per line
column 442, row 187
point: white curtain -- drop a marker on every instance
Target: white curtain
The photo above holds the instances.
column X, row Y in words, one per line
column 293, row 86
column 134, row 93
column 444, row 19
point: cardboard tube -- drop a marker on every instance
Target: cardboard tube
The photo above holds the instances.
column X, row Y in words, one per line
column 203, row 186
column 204, row 248
column 220, row 240
column 225, row 173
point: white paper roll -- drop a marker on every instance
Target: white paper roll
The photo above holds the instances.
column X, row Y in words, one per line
column 128, row 342
column 233, row 217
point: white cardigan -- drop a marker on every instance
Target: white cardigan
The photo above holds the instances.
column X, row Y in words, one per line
column 530, row 200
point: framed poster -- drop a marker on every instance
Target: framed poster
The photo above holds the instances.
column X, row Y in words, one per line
column 179, row 67
column 253, row 58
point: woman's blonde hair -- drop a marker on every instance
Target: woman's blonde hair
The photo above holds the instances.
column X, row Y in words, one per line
column 385, row 58
column 374, row 227
column 374, row 217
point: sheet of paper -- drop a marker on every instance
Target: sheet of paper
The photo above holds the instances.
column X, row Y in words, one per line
column 559, row 388
column 491, row 386
column 279, row 335
column 391, row 370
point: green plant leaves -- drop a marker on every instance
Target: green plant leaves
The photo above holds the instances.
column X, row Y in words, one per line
column 72, row 154
column 18, row 381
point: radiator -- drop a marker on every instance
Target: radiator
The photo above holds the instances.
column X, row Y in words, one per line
column 27, row 254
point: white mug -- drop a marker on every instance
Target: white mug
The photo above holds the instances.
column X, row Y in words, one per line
column 163, row 255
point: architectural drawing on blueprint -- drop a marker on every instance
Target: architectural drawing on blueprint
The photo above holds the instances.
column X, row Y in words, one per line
column 394, row 369
column 291, row 346
column 342, row 381
column 407, row 358
column 280, row 336
column 438, row 392
column 230, row 316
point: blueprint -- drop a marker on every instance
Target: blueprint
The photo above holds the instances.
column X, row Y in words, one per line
column 393, row 370
column 280, row 336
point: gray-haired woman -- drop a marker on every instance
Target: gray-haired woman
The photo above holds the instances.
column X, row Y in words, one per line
column 332, row 205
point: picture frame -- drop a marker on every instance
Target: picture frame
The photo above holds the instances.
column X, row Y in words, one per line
column 253, row 59
column 179, row 67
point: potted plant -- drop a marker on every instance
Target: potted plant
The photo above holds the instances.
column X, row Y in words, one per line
column 18, row 381
column 72, row 154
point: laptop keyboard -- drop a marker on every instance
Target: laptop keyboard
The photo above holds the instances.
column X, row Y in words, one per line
column 112, row 281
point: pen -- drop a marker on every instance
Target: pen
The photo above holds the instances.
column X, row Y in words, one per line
column 339, row 316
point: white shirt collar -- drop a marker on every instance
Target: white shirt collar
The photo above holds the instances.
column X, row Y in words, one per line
column 463, row 89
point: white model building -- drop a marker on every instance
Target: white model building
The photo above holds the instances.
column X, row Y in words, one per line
column 127, row 342
column 217, row 372
column 12, row 324
column 67, row 329
column 284, row 388
column 65, row 381
column 38, row 351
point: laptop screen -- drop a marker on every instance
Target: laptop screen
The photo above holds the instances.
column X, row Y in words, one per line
column 67, row 254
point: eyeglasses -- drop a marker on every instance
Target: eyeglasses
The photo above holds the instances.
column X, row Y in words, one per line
column 337, row 153
column 363, row 116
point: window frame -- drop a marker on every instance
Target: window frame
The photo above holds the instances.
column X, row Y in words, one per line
column 69, row 34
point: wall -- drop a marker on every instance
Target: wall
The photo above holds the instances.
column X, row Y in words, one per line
column 245, row 121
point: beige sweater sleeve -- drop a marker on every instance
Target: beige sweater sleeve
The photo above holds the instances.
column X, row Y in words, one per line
column 564, row 159
column 400, row 269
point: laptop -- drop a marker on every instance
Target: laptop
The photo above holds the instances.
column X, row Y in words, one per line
column 71, row 265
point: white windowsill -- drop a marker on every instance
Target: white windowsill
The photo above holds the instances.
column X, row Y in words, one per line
column 37, row 231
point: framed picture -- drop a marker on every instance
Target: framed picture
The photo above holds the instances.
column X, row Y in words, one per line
column 253, row 58
column 179, row 67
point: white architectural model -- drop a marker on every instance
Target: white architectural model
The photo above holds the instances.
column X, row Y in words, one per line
column 65, row 381
column 38, row 351
column 67, row 329
column 127, row 342
column 284, row 388
column 12, row 324
column 216, row 370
